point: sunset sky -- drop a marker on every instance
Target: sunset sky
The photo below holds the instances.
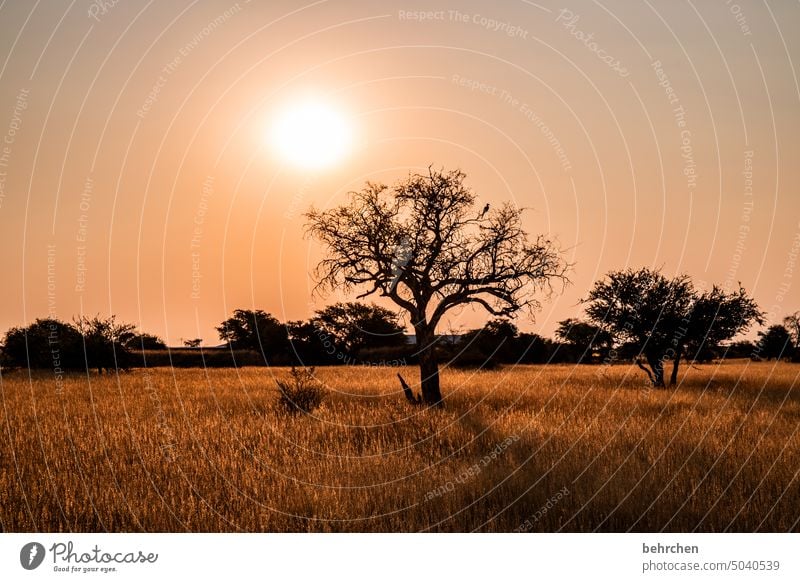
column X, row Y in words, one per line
column 146, row 170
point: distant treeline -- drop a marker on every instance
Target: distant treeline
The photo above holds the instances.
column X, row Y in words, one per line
column 341, row 334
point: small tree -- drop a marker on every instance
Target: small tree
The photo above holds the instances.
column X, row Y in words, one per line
column 193, row 343
column 425, row 246
column 354, row 326
column 255, row 330
column 45, row 343
column 792, row 324
column 666, row 319
column 775, row 343
column 105, row 341
column 714, row 316
column 488, row 347
column 145, row 341
column 306, row 345
column 584, row 338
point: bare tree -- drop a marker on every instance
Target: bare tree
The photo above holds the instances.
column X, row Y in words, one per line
column 424, row 245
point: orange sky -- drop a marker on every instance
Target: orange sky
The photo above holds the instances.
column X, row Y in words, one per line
column 136, row 176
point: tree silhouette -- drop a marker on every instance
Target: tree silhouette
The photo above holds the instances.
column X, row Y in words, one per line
column 667, row 319
column 354, row 326
column 105, row 341
column 424, row 245
column 255, row 330
column 145, row 341
column 488, row 347
column 45, row 343
column 88, row 342
column 584, row 338
column 792, row 324
column 307, row 346
column 775, row 343
column 714, row 316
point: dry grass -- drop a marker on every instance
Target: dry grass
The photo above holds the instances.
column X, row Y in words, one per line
column 195, row 450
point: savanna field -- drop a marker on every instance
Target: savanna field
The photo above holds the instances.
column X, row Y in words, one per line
column 527, row 448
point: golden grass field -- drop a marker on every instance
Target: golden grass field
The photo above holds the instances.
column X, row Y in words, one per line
column 536, row 448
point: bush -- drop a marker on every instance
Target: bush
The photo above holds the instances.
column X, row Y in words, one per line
column 302, row 392
column 45, row 343
column 105, row 342
column 145, row 341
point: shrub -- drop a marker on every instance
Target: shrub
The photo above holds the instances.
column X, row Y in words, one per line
column 145, row 341
column 106, row 342
column 301, row 392
column 45, row 343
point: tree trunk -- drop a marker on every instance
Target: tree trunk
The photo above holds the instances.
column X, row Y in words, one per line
column 657, row 365
column 428, row 366
column 673, row 379
column 645, row 368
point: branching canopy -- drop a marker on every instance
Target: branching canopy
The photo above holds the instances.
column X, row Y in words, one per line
column 423, row 245
column 668, row 319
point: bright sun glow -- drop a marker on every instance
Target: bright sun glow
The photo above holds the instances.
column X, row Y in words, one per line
column 311, row 135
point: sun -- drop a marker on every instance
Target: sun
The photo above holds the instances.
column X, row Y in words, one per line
column 311, row 134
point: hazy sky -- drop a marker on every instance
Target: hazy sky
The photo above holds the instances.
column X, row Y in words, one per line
column 137, row 176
